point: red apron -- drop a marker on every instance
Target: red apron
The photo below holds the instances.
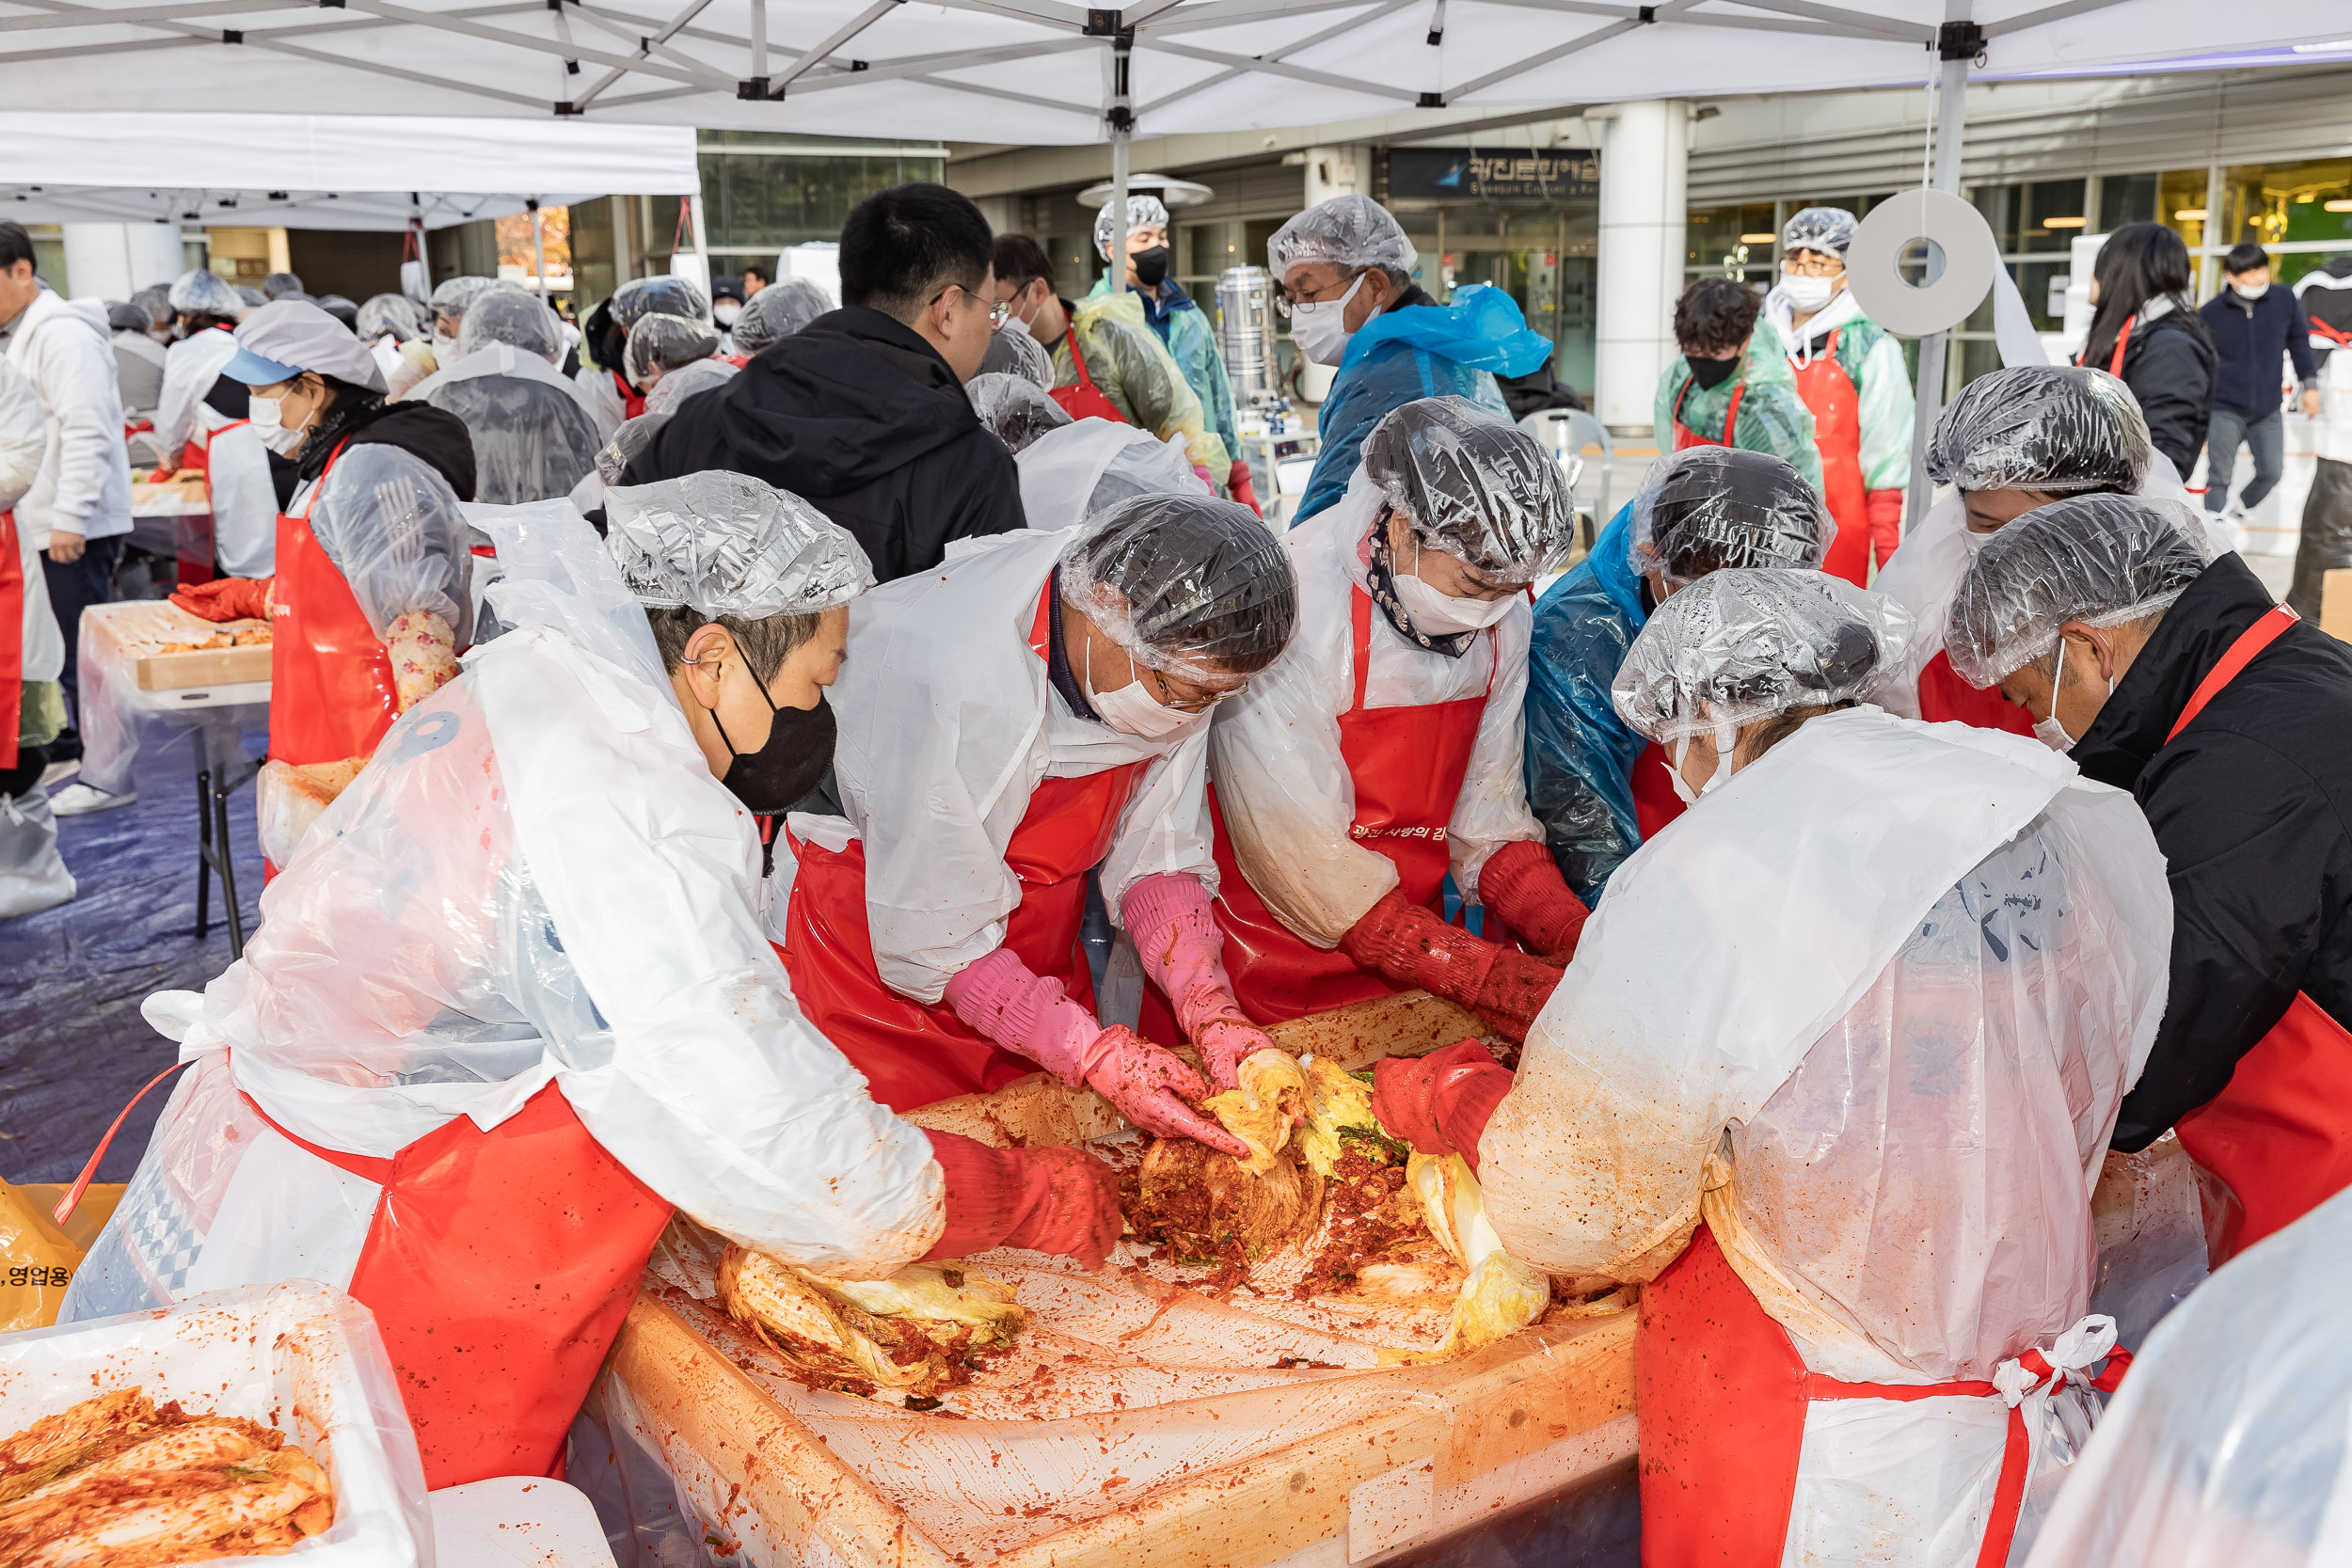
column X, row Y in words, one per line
column 1836, row 405
column 2280, row 1134
column 1719, row 1403
column 632, row 400
column 1943, row 695
column 12, row 639
column 332, row 692
column 1084, row 399
column 1685, row 438
column 198, row 454
column 498, row 1266
column 1655, row 802
column 913, row 1055
column 1406, row 765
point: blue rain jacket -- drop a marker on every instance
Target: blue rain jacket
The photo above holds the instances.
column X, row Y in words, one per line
column 1412, row 351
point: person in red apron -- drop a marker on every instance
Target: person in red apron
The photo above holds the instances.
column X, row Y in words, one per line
column 2012, row 440
column 1032, row 711
column 1851, row 374
column 1599, row 789
column 1849, row 1171
column 1382, row 751
column 2223, row 715
column 371, row 602
column 1731, row 384
column 519, row 1009
column 33, row 876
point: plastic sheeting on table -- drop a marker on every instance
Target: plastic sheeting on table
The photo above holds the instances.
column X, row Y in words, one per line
column 118, row 720
column 300, row 1357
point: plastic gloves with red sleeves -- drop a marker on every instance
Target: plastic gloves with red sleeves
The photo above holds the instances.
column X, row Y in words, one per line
column 1241, row 486
column 1183, row 951
column 1407, row 945
column 998, row 996
column 1521, row 883
column 1440, row 1103
column 1058, row 1200
column 227, row 598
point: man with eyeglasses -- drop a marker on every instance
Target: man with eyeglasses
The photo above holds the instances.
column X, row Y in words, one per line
column 863, row 411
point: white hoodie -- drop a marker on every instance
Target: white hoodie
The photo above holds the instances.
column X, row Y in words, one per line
column 84, row 486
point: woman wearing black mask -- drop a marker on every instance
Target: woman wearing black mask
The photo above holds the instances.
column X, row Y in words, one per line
column 1728, row 389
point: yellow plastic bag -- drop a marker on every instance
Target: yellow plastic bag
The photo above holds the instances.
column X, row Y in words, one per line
column 37, row 1256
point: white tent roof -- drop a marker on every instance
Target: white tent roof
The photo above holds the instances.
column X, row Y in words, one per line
column 319, row 171
column 1041, row 70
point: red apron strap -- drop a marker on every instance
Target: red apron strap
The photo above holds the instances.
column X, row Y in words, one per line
column 1683, row 396
column 1077, row 359
column 2009, row 1493
column 72, row 1198
column 1359, row 643
column 367, row 1166
column 12, row 639
column 1731, row 415
column 2252, row 640
column 2115, row 361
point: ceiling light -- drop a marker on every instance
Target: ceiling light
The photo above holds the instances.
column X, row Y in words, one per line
column 2189, row 215
column 1757, row 239
column 2062, row 223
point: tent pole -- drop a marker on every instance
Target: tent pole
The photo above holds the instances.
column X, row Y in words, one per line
column 1123, row 126
column 702, row 240
column 416, row 227
column 538, row 249
column 1959, row 43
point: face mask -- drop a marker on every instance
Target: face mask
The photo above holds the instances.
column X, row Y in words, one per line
column 1972, row 542
column 1711, row 373
column 1441, row 614
column 2250, row 291
column 268, row 421
column 2049, row 731
column 1807, row 294
column 1151, row 265
column 444, row 351
column 1320, row 329
column 724, row 314
column 1132, row 709
column 1724, row 744
column 795, row 760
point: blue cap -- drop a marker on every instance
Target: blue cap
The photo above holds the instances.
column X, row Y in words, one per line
column 254, row 371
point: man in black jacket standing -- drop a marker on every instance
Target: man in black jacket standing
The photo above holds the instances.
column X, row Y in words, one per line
column 863, row 411
column 2253, row 324
column 2231, row 721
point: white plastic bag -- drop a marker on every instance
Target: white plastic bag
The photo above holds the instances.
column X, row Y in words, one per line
column 298, row 1356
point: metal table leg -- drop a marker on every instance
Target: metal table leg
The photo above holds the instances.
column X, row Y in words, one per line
column 214, row 853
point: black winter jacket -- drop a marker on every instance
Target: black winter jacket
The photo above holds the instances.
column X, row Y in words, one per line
column 862, row 418
column 2248, row 335
column 2167, row 363
column 2251, row 807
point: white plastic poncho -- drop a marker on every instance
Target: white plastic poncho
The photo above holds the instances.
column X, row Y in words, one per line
column 1870, row 1008
column 1274, row 750
column 1086, row 466
column 536, row 879
column 190, row 368
column 2229, row 1443
column 947, row 724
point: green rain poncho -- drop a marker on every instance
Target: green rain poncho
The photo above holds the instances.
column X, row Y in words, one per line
column 1773, row 419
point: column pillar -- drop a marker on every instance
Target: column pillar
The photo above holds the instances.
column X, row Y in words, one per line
column 1645, row 165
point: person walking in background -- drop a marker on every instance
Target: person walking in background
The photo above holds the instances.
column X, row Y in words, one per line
column 2252, row 323
column 1849, row 371
column 2324, row 298
column 2146, row 336
column 1731, row 385
column 79, row 510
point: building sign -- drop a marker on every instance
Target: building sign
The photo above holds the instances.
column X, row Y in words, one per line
column 1479, row 174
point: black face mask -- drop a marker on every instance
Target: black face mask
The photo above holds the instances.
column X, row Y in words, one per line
column 797, row 758
column 1151, row 265
column 1711, row 373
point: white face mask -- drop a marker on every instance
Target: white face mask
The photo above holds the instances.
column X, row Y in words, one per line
column 1132, row 709
column 1441, row 614
column 268, row 418
column 1320, row 328
column 2250, row 291
column 444, row 351
column 1807, row 294
column 724, row 314
column 2049, row 731
column 1972, row 542
column 1725, row 745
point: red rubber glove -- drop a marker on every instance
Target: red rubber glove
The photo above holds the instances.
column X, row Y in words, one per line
column 1182, row 950
column 1440, row 1103
column 227, row 598
column 1885, row 512
column 1521, row 883
column 1058, row 1200
column 1242, row 487
column 1406, row 943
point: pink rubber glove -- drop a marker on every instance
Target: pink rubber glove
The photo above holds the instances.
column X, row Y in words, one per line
column 999, row 997
column 1176, row 936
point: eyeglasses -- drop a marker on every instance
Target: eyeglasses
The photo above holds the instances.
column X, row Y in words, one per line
column 1282, row 301
column 999, row 312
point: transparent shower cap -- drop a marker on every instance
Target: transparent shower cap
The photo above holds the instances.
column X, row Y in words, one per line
column 665, row 342
column 1143, row 212
column 1746, row 644
column 1013, row 352
column 505, row 314
column 452, row 295
column 392, row 313
column 1190, row 585
column 779, row 311
column 1827, row 230
column 1473, row 484
column 1345, row 231
column 2099, row 560
column 683, row 383
column 727, row 544
column 641, row 298
column 2056, row 429
column 1014, row 408
column 1707, row 508
column 205, row 294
